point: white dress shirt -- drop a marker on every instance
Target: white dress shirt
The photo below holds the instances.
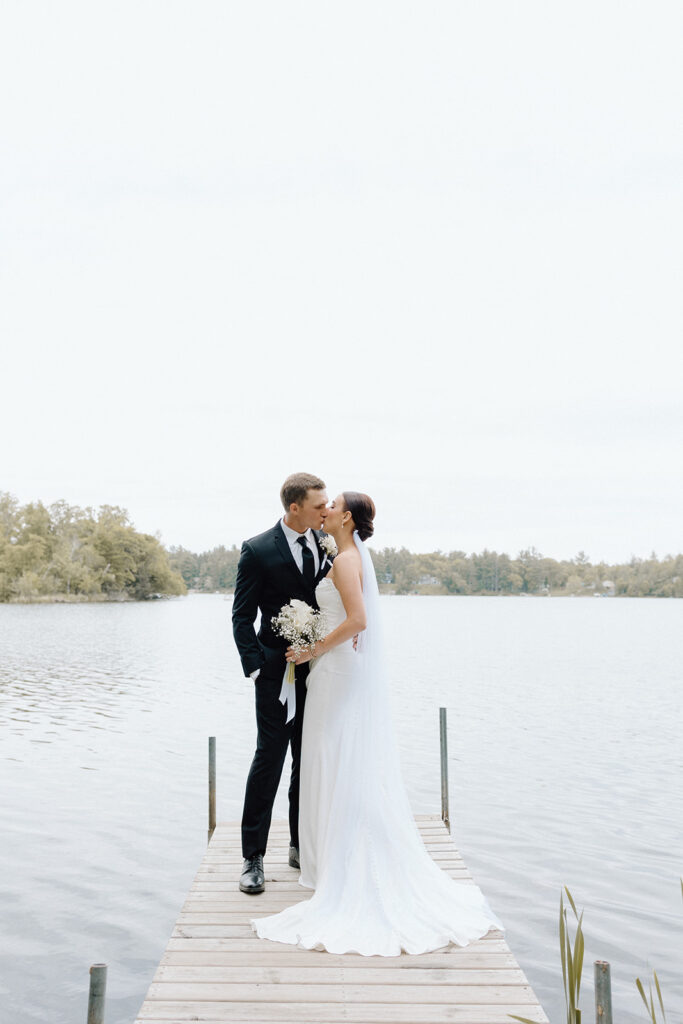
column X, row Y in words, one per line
column 293, row 540
column 297, row 551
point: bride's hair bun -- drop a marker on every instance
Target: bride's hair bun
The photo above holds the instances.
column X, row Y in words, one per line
column 362, row 509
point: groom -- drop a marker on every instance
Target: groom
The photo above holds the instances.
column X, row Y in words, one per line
column 283, row 563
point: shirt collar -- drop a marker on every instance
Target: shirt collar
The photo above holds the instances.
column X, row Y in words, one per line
column 292, row 536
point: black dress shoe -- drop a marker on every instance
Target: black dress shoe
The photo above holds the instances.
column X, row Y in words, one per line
column 253, row 880
column 294, row 858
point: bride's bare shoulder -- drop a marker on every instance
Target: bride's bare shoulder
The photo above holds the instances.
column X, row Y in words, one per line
column 349, row 557
column 346, row 564
column 347, row 560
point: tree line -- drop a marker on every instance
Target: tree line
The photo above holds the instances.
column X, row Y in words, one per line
column 401, row 571
column 62, row 552
column 491, row 572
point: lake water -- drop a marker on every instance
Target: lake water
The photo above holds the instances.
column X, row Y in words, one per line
column 565, row 762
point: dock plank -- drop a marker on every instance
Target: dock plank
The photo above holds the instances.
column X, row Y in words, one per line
column 262, row 992
column 215, row 969
column 179, row 973
column 337, row 1013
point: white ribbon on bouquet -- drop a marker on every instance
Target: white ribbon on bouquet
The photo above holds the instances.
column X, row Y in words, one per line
column 288, row 691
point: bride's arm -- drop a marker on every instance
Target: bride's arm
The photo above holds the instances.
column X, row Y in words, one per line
column 347, row 580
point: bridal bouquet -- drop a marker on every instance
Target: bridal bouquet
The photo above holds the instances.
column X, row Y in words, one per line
column 301, row 626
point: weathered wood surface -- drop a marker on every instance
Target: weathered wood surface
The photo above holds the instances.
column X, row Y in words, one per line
column 215, row 968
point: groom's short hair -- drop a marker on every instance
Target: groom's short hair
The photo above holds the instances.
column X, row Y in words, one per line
column 296, row 487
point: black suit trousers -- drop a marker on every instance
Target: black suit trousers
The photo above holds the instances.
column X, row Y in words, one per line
column 274, row 736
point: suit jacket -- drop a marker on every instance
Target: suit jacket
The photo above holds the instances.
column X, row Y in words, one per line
column 268, row 578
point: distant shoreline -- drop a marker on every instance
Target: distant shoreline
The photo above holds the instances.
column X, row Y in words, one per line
column 122, row 598
column 62, row 554
column 385, row 589
column 400, row 571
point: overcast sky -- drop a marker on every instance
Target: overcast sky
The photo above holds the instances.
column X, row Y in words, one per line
column 431, row 251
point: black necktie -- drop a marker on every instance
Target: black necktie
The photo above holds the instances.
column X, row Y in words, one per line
column 309, row 564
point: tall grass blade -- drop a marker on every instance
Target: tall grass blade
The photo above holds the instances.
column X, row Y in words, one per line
column 639, row 986
column 563, row 956
column 659, row 995
column 572, row 981
column 569, row 897
column 578, row 955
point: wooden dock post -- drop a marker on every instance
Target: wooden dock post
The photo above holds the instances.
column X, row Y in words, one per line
column 98, row 988
column 443, row 731
column 603, row 992
column 212, row 785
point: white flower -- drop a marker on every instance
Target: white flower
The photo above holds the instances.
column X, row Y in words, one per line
column 299, row 624
column 328, row 545
column 300, row 614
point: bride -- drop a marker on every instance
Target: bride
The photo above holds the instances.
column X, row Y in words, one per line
column 377, row 890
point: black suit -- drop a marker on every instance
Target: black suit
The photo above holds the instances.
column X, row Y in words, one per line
column 268, row 578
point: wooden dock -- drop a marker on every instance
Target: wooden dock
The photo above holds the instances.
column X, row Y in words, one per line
column 216, row 969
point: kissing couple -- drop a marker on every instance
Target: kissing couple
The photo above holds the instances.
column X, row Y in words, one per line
column 353, row 836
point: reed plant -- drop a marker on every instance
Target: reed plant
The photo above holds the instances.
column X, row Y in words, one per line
column 650, row 1006
column 652, row 1010
column 571, row 955
column 572, row 959
column 572, row 968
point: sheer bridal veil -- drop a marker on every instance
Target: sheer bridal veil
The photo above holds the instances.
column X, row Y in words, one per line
column 375, row 748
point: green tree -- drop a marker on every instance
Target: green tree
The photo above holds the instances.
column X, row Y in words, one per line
column 47, row 552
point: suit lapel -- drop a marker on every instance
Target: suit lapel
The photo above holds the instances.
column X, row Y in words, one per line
column 285, row 553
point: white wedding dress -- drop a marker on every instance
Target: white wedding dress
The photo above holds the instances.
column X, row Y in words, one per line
column 377, row 890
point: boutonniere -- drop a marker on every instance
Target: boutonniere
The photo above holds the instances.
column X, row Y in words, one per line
column 328, row 545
